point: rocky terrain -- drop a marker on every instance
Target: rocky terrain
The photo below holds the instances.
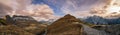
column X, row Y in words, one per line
column 67, row 25
column 21, row 25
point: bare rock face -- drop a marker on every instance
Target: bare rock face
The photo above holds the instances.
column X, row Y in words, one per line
column 113, row 29
column 20, row 21
column 65, row 26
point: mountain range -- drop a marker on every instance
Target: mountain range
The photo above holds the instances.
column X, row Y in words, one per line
column 100, row 20
column 66, row 25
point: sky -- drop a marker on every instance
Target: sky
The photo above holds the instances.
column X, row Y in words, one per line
column 61, row 7
column 51, row 9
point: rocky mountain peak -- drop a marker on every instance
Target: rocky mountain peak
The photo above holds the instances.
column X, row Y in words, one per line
column 68, row 18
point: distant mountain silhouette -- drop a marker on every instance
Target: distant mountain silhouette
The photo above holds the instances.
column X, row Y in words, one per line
column 96, row 20
column 113, row 21
column 100, row 20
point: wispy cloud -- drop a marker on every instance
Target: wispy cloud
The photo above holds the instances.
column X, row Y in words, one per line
column 110, row 9
column 81, row 8
column 78, row 8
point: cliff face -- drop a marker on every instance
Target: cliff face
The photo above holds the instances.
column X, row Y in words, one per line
column 20, row 21
column 65, row 26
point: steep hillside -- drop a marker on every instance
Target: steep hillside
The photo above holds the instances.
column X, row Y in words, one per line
column 65, row 26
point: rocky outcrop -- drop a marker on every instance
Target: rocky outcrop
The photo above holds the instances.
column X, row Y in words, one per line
column 113, row 29
column 20, row 21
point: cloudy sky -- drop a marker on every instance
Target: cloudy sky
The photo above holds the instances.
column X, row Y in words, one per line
column 49, row 9
column 62, row 7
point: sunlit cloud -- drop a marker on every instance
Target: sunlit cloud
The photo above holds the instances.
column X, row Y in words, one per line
column 111, row 9
column 25, row 8
column 81, row 8
column 46, row 9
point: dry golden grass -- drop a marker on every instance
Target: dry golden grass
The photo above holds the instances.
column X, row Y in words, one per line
column 70, row 29
column 2, row 22
column 13, row 30
column 36, row 28
column 65, row 26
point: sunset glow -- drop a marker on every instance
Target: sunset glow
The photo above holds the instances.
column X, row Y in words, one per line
column 113, row 7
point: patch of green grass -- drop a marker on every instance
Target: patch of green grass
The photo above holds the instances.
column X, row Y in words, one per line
column 2, row 21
